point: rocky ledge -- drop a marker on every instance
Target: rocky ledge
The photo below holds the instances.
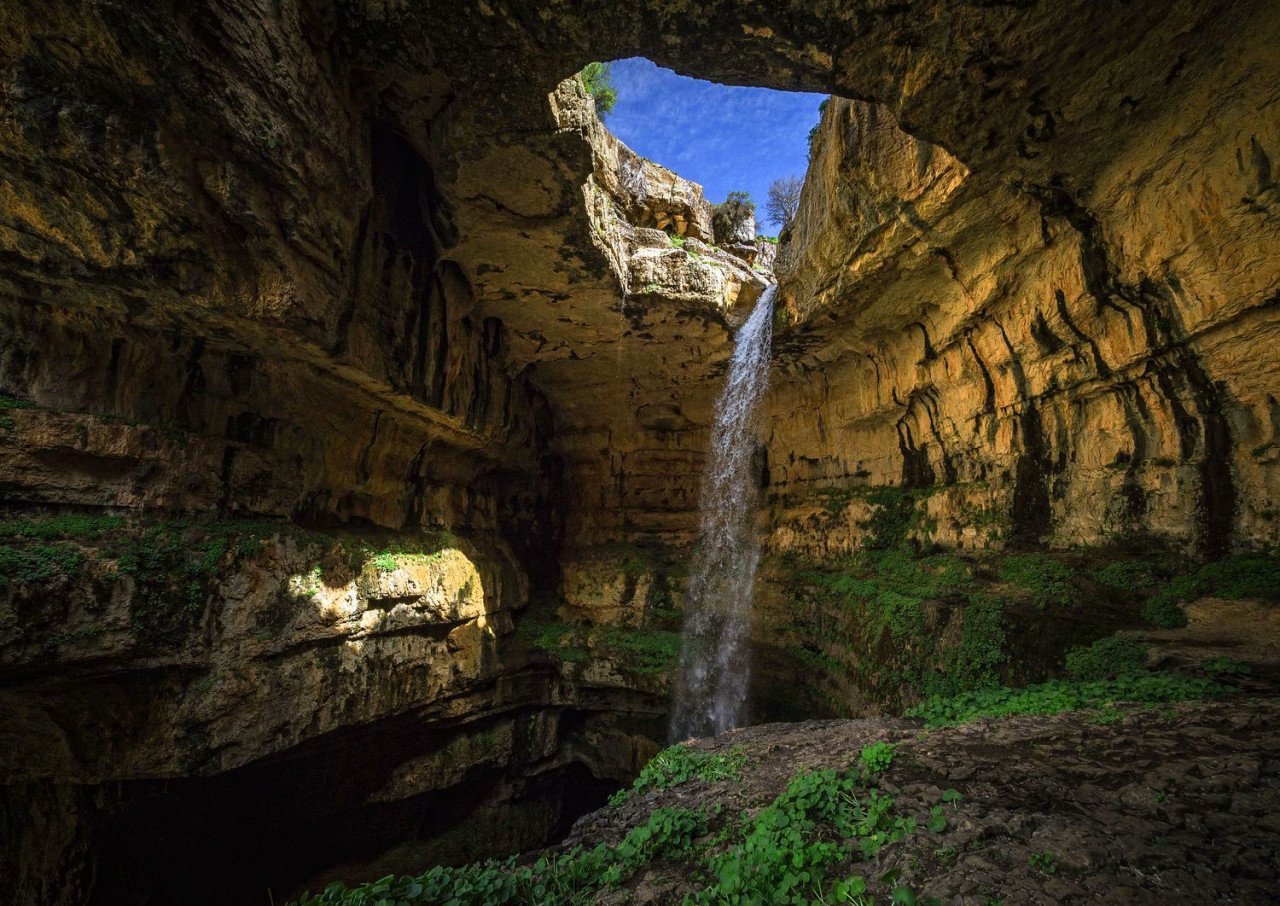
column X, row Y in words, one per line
column 1157, row 803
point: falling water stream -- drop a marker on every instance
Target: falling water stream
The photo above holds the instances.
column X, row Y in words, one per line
column 711, row 687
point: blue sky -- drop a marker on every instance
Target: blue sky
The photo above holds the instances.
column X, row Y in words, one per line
column 723, row 137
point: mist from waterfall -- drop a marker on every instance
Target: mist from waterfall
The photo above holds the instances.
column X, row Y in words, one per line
column 715, row 662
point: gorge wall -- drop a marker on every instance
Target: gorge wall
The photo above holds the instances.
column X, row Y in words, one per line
column 349, row 364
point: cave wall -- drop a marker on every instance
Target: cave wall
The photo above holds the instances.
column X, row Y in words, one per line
column 1071, row 381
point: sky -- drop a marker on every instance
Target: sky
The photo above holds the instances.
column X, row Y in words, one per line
column 722, row 137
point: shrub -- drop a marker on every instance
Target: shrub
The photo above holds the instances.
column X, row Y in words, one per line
column 1105, row 658
column 597, row 78
column 730, row 216
column 38, row 563
column 57, row 527
column 1126, row 576
column 1046, row 580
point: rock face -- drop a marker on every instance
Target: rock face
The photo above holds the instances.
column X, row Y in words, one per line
column 1008, row 346
column 377, row 267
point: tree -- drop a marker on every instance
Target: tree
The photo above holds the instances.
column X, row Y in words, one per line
column 729, row 218
column 598, row 80
column 784, row 200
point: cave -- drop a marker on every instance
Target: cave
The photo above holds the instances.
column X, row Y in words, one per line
column 358, row 387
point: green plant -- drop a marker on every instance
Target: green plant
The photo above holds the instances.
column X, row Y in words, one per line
column 1056, row 696
column 678, row 764
column 786, row 850
column 815, row 131
column 1126, row 576
column 37, row 564
column 597, row 78
column 571, row 877
column 75, row 526
column 7, row 405
column 1045, row 862
column 649, row 651
column 1046, row 580
column 1239, row 576
column 1220, row 667
column 1105, row 658
column 1108, row 717
column 877, row 757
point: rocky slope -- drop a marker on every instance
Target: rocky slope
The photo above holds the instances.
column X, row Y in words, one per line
column 1171, row 806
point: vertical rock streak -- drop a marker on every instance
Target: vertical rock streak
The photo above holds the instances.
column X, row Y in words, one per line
column 715, row 667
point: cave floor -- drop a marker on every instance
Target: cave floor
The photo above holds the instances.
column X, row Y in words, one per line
column 1133, row 804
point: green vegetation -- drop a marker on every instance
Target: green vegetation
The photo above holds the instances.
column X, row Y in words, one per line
column 679, row 764
column 1106, row 658
column 789, row 852
column 893, row 592
column 643, row 650
column 1046, row 580
column 573, row 877
column 597, row 78
column 728, row 217
column 876, row 758
column 1220, row 667
column 1126, row 576
column 7, row 405
column 79, row 527
column 174, row 564
column 1045, row 862
column 38, row 563
column 1056, row 696
column 822, row 113
column 1239, row 576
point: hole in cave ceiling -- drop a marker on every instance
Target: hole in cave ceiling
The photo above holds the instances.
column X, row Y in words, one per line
column 725, row 138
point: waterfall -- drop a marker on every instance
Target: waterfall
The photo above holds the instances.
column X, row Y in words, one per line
column 715, row 665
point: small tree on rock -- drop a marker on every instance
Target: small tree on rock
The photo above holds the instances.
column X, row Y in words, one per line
column 598, row 79
column 784, row 201
column 734, row 219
